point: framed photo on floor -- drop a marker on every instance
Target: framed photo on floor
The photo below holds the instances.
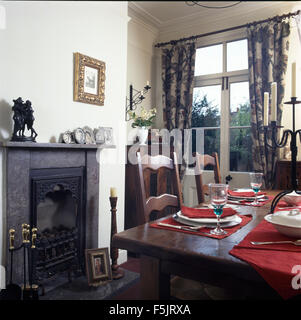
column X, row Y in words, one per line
column 89, row 79
column 98, row 266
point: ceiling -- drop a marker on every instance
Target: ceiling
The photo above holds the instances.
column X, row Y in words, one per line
column 161, row 12
column 168, row 16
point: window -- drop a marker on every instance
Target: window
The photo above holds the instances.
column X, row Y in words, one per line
column 221, row 103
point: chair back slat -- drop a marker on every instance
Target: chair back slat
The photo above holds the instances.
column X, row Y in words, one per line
column 161, row 202
column 167, row 178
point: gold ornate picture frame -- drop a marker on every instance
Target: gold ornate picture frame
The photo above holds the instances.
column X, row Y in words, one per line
column 89, row 79
column 98, row 267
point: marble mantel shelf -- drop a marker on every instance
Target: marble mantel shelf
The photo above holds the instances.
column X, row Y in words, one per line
column 36, row 145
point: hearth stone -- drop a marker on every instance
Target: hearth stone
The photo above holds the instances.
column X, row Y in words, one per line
column 20, row 159
column 79, row 289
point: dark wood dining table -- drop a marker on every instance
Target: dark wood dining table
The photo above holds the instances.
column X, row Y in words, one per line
column 166, row 253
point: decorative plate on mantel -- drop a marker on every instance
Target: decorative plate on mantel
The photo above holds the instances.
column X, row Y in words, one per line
column 68, row 137
column 80, row 136
column 89, row 135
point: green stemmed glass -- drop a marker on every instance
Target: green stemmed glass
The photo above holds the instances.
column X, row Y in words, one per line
column 218, row 198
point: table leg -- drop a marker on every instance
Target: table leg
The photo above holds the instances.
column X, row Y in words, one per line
column 155, row 285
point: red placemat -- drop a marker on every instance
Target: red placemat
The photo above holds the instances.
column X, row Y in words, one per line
column 276, row 263
column 196, row 213
column 245, row 219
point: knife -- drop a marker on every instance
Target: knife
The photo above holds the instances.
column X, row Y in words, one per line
column 187, row 228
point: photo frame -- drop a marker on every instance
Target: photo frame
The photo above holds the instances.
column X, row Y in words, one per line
column 109, row 138
column 89, row 79
column 99, row 134
column 98, row 266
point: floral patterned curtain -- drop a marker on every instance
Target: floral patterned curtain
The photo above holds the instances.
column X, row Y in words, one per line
column 177, row 76
column 268, row 46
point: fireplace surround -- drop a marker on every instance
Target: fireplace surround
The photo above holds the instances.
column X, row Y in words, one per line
column 35, row 170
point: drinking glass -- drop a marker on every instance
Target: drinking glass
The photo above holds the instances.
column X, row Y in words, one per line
column 256, row 182
column 218, row 198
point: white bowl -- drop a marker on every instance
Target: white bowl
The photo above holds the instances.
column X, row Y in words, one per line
column 292, row 198
column 286, row 222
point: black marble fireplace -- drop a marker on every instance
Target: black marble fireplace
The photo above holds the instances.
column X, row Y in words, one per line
column 54, row 187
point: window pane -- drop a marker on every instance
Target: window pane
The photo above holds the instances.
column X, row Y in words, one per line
column 206, row 106
column 208, row 142
column 237, row 55
column 209, row 60
column 240, row 111
column 241, row 150
column 211, row 141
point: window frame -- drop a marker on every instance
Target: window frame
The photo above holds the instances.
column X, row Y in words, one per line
column 216, row 79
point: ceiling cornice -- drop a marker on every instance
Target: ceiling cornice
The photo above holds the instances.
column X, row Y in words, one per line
column 202, row 20
column 135, row 18
column 134, row 10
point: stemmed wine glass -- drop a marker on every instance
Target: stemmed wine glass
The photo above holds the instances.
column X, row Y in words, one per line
column 256, row 182
column 218, row 198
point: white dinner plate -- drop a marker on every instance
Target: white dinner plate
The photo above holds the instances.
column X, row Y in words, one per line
column 243, row 190
column 235, row 220
column 207, row 220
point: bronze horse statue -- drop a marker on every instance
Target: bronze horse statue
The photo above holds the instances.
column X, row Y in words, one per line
column 23, row 116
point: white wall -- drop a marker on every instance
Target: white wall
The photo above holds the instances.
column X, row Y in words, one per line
column 140, row 64
column 36, row 60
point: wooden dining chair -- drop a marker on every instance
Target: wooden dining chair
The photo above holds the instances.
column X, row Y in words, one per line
column 159, row 187
column 202, row 161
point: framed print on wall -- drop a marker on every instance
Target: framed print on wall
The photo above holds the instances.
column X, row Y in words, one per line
column 89, row 80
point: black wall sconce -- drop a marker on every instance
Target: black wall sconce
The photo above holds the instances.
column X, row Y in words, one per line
column 135, row 98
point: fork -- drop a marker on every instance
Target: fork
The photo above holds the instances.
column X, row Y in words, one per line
column 296, row 242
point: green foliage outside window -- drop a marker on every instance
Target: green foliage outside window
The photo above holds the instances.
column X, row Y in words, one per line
column 206, row 114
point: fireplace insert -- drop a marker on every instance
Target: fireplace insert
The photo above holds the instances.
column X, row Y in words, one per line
column 57, row 211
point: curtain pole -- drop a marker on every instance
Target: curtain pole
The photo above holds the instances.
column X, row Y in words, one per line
column 277, row 18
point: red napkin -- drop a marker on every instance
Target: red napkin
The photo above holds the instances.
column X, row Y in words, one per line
column 205, row 212
column 230, row 230
column 283, row 204
column 275, row 263
column 244, row 194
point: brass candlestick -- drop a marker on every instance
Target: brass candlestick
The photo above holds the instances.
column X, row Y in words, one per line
column 11, row 239
column 116, row 272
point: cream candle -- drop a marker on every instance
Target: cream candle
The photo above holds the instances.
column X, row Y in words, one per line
column 113, row 192
column 274, row 102
column 266, row 109
column 294, row 79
